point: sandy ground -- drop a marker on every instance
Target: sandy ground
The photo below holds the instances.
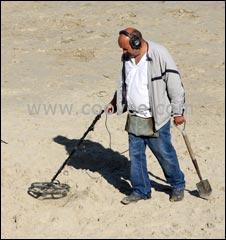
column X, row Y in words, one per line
column 66, row 54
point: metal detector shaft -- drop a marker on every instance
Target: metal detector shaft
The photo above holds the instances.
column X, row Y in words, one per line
column 91, row 128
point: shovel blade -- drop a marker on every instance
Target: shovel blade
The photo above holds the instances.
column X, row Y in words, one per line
column 204, row 188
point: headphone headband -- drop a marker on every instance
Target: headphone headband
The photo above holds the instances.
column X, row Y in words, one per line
column 125, row 33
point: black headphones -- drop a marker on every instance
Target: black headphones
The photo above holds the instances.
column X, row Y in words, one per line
column 134, row 40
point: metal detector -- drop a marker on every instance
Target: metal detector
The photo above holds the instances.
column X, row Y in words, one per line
column 55, row 189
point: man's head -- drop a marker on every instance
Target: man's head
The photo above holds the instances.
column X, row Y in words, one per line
column 130, row 40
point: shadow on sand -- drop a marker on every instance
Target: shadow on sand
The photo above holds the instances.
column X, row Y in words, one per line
column 111, row 165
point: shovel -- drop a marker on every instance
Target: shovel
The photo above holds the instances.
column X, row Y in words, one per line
column 204, row 188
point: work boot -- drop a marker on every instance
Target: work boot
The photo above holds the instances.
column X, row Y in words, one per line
column 176, row 195
column 134, row 197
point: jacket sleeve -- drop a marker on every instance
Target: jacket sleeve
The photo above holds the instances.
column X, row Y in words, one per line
column 174, row 85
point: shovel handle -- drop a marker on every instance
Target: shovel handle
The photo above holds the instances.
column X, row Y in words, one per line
column 192, row 155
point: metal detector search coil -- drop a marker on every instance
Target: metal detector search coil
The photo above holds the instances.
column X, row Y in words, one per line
column 48, row 190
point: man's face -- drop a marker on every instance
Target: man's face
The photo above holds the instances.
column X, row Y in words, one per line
column 123, row 43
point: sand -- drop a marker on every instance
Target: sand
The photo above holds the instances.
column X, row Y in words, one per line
column 66, row 54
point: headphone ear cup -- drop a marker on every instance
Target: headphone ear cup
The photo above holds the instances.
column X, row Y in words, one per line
column 135, row 42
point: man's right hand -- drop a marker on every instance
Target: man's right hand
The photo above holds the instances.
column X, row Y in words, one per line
column 109, row 109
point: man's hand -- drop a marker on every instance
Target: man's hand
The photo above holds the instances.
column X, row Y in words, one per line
column 109, row 109
column 178, row 120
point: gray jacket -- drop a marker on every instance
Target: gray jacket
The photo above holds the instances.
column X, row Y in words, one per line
column 166, row 92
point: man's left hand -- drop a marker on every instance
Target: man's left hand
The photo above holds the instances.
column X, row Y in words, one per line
column 178, row 120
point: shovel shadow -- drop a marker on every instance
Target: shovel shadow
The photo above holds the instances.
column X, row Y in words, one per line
column 92, row 156
column 167, row 189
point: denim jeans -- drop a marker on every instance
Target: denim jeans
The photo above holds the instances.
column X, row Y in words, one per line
column 166, row 155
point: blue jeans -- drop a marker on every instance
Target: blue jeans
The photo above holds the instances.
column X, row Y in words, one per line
column 165, row 153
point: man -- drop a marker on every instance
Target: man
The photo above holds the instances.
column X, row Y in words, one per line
column 151, row 91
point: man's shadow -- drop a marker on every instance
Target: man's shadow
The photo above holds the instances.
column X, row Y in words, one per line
column 111, row 165
column 92, row 156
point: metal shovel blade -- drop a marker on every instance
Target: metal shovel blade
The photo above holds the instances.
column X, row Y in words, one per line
column 204, row 188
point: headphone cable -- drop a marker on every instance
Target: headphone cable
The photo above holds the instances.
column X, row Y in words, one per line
column 109, row 133
column 106, row 119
